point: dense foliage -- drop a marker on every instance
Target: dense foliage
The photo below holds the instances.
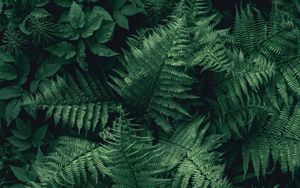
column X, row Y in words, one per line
column 149, row 93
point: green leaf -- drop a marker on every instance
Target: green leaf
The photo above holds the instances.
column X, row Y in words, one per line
column 48, row 68
column 18, row 134
column 76, row 15
column 1, row 6
column 101, row 49
column 7, row 72
column 39, row 135
column 103, row 13
column 12, row 110
column 92, row 22
column 40, row 13
column 105, row 33
column 130, row 10
column 20, row 173
column 6, row 57
column 23, row 69
column 24, row 128
column 65, row 30
column 81, row 56
column 64, row 50
column 11, row 92
column 121, row 20
column 117, row 4
column 42, row 3
column 21, row 145
column 63, row 3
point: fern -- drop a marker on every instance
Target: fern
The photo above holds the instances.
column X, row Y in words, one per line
column 238, row 98
column 254, row 34
column 131, row 158
column 248, row 75
column 155, row 75
column 278, row 139
column 214, row 58
column 73, row 162
column 289, row 74
column 237, row 114
column 81, row 102
column 193, row 156
column 250, row 29
column 157, row 10
column 180, row 141
column 201, row 8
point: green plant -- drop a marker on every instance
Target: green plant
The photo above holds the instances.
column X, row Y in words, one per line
column 195, row 98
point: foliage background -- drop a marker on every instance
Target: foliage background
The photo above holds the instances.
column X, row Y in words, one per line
column 142, row 93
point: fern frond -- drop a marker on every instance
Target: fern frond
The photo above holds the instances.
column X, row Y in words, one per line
column 214, row 57
column 278, row 139
column 249, row 30
column 180, row 142
column 73, row 162
column 290, row 74
column 201, row 8
column 157, row 10
column 132, row 159
column 272, row 39
column 181, row 45
column 238, row 113
column 81, row 102
column 201, row 169
column 156, row 75
column 193, row 157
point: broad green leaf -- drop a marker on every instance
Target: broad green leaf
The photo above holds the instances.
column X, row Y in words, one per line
column 19, row 134
column 63, row 3
column 130, row 10
column 42, row 3
column 64, row 50
column 117, row 4
column 2, row 109
column 39, row 154
column 39, row 135
column 76, row 15
column 34, row 84
column 92, row 22
column 19, row 144
column 7, row 72
column 20, row 173
column 105, row 33
column 65, row 30
column 40, row 13
column 23, row 69
column 11, row 92
column 297, row 3
column 121, row 20
column 12, row 110
column 30, row 111
column 81, row 56
column 1, row 6
column 23, row 127
column 48, row 68
column 6, row 57
column 101, row 49
column 103, row 13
